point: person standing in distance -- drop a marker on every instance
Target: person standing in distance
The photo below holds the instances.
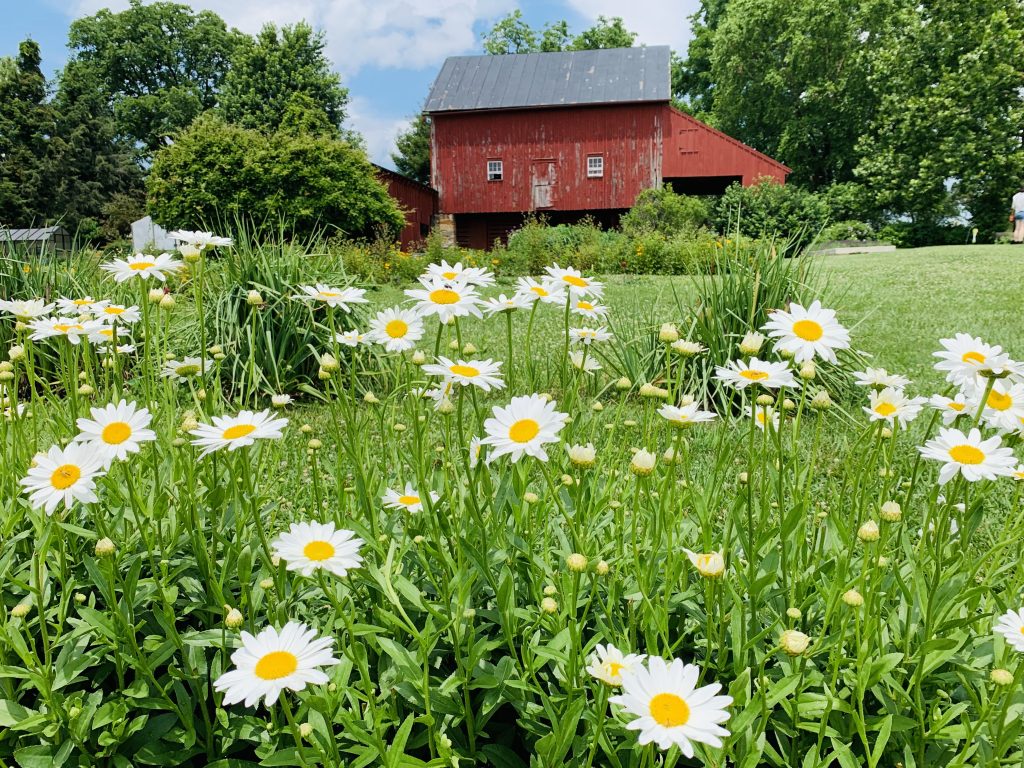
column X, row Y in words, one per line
column 1018, row 216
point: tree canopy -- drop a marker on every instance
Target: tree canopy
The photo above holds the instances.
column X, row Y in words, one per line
column 513, row 34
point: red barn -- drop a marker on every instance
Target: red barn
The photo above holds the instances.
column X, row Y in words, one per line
column 568, row 135
column 417, row 201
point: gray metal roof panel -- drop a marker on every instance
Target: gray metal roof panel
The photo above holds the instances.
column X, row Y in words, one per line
column 607, row 76
column 31, row 233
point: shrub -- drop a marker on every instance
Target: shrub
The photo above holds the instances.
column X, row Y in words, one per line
column 769, row 209
column 216, row 171
column 662, row 210
column 847, row 230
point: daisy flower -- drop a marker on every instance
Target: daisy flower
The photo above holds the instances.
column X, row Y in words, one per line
column 710, row 565
column 763, row 415
column 608, row 663
column 1004, row 407
column 180, row 370
column 686, row 415
column 1011, row 626
column 79, row 306
column 585, row 363
column 409, row 500
column 741, row 375
column 879, row 378
column 70, row 328
column 234, row 432
column 969, row 455
column 587, row 309
column 481, row 373
column 523, row 427
column 199, row 240
column 807, row 333
column 951, row 408
column 117, row 312
column 573, row 281
column 589, row 335
column 273, row 661
column 532, row 291
column 352, row 338
column 476, row 449
column 104, row 334
column 457, row 273
column 445, row 299
column 891, row 405
column 143, row 267
column 26, row 309
column 333, row 297
column 669, row 707
column 503, row 303
column 63, row 474
column 116, row 430
column 396, row 328
column 308, row 547
column 964, row 357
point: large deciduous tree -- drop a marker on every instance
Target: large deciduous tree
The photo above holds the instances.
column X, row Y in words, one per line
column 158, row 65
column 279, row 66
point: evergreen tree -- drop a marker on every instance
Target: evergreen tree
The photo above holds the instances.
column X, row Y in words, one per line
column 412, row 150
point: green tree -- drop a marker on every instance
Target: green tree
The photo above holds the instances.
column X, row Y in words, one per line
column 951, row 113
column 27, row 125
column 412, row 150
column 215, row 171
column 692, row 81
column 511, row 34
column 267, row 75
column 606, row 33
column 157, row 65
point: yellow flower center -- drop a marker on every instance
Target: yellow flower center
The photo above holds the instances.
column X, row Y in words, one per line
column 65, row 476
column 613, row 668
column 408, row 501
column 885, row 409
column 106, row 332
column 276, row 664
column 465, row 370
column 669, row 710
column 237, row 431
column 585, row 305
column 998, row 401
column 328, row 295
column 523, row 431
column 81, row 302
column 966, row 454
column 808, row 330
column 116, row 432
column 318, row 551
column 138, row 266
column 957, row 406
column 114, row 310
column 449, row 275
column 396, row 329
column 63, row 328
column 754, row 375
column 761, row 417
column 973, row 357
column 579, row 282
column 444, row 296
column 538, row 290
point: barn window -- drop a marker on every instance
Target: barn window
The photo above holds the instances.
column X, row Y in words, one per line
column 495, row 170
column 595, row 166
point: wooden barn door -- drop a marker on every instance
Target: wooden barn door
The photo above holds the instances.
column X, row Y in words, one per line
column 543, row 181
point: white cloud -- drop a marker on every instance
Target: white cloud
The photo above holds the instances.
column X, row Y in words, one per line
column 380, row 33
column 656, row 22
column 378, row 130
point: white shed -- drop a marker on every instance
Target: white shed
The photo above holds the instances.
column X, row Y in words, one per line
column 147, row 234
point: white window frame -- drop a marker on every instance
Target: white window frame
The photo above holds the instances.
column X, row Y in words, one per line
column 495, row 170
column 595, row 166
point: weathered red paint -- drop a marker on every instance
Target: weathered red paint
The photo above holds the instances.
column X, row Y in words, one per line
column 418, row 201
column 544, row 154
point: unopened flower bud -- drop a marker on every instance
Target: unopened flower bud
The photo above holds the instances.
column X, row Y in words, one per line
column 794, row 613
column 314, row 445
column 21, row 610
column 254, row 299
column 642, row 463
column 16, row 353
column 549, row 605
column 821, row 400
column 668, row 333
column 418, row 357
column 234, row 619
column 305, row 730
column 751, row 343
column 329, row 363
column 576, row 562
column 104, row 547
column 550, row 589
column 868, row 532
column 370, row 398
column 583, row 456
column 623, row 383
column 1002, row 677
column 794, row 642
column 808, row 371
column 764, row 400
column 530, row 498
column 266, row 584
column 167, row 302
column 853, row 598
column 469, row 348
column 891, row 512
column 601, row 568
column 156, row 295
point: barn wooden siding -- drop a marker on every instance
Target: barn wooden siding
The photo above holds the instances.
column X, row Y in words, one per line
column 418, row 202
column 546, row 148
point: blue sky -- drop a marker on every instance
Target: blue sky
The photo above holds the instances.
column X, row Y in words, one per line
column 387, row 51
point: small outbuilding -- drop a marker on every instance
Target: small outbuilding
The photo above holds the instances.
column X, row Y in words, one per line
column 568, row 135
column 417, row 201
column 35, row 240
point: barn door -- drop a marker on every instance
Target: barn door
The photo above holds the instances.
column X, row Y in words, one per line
column 543, row 180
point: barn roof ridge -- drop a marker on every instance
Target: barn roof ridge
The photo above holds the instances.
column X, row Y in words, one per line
column 564, row 78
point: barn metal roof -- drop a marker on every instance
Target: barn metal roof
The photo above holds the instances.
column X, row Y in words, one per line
column 611, row 75
column 30, row 235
